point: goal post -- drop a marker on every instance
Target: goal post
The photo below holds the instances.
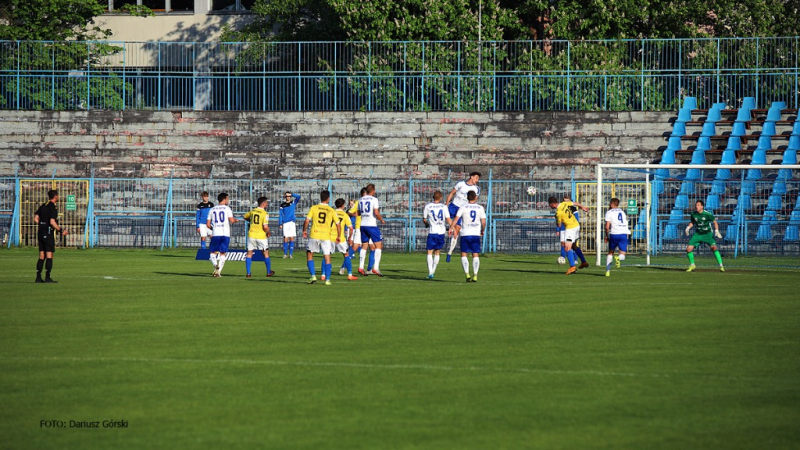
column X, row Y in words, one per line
column 757, row 208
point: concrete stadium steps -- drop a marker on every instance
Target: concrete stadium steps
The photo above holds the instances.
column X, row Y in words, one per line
column 325, row 144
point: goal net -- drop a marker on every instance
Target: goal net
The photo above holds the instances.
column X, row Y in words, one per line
column 757, row 208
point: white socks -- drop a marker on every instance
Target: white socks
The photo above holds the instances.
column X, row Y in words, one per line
column 465, row 264
column 453, row 242
column 377, row 265
column 476, row 264
column 430, row 265
column 362, row 258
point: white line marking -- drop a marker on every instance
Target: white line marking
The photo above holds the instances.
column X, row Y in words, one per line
column 426, row 367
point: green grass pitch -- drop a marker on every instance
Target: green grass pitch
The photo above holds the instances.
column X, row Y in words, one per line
column 525, row 358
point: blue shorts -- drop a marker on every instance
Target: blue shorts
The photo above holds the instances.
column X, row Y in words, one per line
column 617, row 241
column 368, row 233
column 435, row 242
column 219, row 244
column 453, row 209
column 470, row 244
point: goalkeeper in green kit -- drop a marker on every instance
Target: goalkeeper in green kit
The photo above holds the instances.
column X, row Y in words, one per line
column 702, row 221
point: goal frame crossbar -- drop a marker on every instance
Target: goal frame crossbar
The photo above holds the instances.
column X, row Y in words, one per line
column 650, row 170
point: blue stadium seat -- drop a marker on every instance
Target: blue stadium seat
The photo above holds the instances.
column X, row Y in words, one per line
column 658, row 185
column 778, row 105
column 728, row 157
column 682, row 201
column 789, row 157
column 764, row 232
column 752, row 175
column 692, row 175
column 744, row 202
column 795, row 217
column 703, row 143
column 698, row 157
column 768, row 129
column 792, row 233
column 779, row 187
column 691, row 102
column 670, row 232
column 721, row 105
column 722, row 175
column 739, row 129
column 678, row 129
column 684, row 115
column 794, row 142
column 748, row 187
column 774, row 202
column 712, row 201
column 673, row 144
column 796, row 127
column 640, row 228
column 709, row 129
column 749, row 103
column 718, row 186
column 797, row 204
column 774, row 114
column 764, row 144
column 732, row 230
column 687, row 187
column 734, row 143
column 714, row 115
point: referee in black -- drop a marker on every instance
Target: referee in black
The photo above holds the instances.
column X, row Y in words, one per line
column 46, row 218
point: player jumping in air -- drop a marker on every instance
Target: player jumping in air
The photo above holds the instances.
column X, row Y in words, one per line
column 702, row 221
column 458, row 198
column 617, row 232
column 435, row 216
column 258, row 234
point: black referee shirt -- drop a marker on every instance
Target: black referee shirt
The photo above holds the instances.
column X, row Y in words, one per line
column 46, row 212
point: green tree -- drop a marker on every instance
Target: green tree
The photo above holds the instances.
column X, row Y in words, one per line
column 51, row 20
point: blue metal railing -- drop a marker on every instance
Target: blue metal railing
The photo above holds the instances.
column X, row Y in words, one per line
column 647, row 75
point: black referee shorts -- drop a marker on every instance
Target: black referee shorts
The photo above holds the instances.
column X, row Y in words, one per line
column 47, row 243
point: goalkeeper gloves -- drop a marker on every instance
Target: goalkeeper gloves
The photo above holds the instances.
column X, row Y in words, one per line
column 687, row 230
column 717, row 234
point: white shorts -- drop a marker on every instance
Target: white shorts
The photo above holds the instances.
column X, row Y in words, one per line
column 571, row 234
column 204, row 231
column 341, row 247
column 357, row 236
column 257, row 244
column 319, row 246
column 290, row 230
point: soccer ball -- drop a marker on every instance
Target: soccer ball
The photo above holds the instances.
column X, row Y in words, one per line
column 561, row 260
column 531, row 190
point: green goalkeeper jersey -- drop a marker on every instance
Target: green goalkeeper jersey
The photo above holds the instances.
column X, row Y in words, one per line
column 702, row 222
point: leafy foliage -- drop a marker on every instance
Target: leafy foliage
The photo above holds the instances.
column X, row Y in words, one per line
column 51, row 20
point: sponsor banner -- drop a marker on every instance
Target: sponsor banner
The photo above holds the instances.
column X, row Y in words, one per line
column 204, row 254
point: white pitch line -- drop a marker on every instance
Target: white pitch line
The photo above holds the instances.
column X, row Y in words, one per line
column 424, row 367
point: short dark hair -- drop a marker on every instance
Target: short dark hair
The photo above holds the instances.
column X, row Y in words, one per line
column 472, row 174
column 222, row 196
column 363, row 192
column 370, row 188
column 204, row 194
column 51, row 194
column 339, row 202
column 471, row 195
column 614, row 201
column 287, row 194
column 325, row 195
column 701, row 202
column 551, row 200
column 261, row 200
column 437, row 195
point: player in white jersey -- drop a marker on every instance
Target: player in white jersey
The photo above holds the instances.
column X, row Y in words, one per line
column 473, row 224
column 369, row 211
column 458, row 198
column 617, row 232
column 220, row 219
column 436, row 217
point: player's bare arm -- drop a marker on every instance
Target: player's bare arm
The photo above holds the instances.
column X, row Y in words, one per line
column 305, row 228
column 378, row 216
column 450, row 196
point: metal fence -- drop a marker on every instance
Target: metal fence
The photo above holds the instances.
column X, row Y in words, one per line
column 647, row 75
column 159, row 213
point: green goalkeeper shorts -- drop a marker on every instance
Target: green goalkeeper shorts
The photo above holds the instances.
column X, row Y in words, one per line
column 698, row 238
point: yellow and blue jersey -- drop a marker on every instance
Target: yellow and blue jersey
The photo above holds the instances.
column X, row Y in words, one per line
column 565, row 216
column 322, row 218
column 354, row 210
column 344, row 222
column 257, row 217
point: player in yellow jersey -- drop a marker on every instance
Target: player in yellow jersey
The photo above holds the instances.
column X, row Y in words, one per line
column 322, row 217
column 257, row 234
column 345, row 237
column 565, row 217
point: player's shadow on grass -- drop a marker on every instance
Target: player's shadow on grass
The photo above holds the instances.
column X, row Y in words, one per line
column 185, row 274
column 162, row 255
column 400, row 274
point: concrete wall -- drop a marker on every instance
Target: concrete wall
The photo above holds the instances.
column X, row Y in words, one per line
column 172, row 27
column 540, row 145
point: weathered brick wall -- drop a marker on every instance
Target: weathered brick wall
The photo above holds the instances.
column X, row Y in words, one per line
column 541, row 145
